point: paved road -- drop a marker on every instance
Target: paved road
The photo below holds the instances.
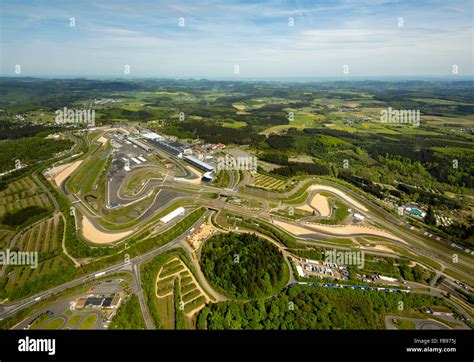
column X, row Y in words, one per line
column 200, row 276
column 463, row 268
column 390, row 222
column 420, row 324
column 45, row 189
column 220, row 204
column 7, row 310
column 143, row 305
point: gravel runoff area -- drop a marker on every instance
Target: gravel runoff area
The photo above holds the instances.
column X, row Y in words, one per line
column 94, row 235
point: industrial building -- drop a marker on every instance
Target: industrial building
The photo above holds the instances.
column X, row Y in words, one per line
column 111, row 301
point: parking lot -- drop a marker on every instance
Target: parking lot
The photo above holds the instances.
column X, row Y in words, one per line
column 64, row 313
column 320, row 269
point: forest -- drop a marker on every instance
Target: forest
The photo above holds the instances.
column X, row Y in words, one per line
column 23, row 216
column 243, row 265
column 308, row 307
column 335, row 129
column 129, row 316
column 29, row 150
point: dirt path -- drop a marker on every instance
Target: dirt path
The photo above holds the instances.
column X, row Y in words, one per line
column 76, row 263
column 177, row 275
column 202, row 279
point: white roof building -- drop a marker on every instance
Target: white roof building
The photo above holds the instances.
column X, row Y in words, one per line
column 173, row 214
column 388, row 279
column 300, row 271
column 359, row 217
column 152, row 136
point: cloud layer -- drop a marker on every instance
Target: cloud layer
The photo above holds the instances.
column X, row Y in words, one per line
column 265, row 39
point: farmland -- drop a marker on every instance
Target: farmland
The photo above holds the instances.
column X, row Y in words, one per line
column 21, row 194
column 267, row 182
column 328, row 175
column 45, row 238
column 175, row 285
column 303, row 169
column 176, row 294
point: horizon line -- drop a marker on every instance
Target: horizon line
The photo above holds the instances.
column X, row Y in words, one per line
column 447, row 77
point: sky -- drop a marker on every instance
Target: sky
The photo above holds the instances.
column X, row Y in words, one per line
column 237, row 39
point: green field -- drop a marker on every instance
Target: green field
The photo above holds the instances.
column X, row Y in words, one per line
column 22, row 193
column 172, row 295
column 304, row 133
column 267, row 182
column 88, row 322
column 44, row 238
column 234, row 124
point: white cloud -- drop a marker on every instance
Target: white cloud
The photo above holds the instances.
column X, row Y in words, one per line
column 219, row 34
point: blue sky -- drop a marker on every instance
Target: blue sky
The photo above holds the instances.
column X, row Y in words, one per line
column 255, row 35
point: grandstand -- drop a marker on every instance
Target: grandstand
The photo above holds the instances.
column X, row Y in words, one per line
column 173, row 148
column 198, row 163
